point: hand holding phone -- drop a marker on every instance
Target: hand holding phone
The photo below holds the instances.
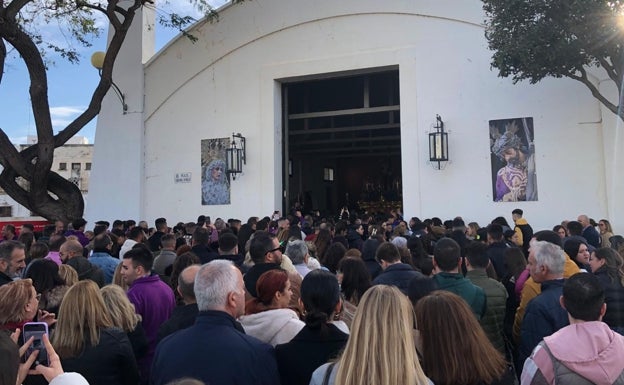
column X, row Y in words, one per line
column 36, row 331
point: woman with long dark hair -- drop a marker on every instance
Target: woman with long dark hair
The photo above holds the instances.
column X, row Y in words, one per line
column 354, row 280
column 320, row 340
column 608, row 266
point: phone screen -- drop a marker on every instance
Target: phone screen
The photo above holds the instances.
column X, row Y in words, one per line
column 37, row 330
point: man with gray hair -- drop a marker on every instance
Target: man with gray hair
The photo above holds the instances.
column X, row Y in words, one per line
column 214, row 350
column 544, row 315
column 12, row 261
column 297, row 251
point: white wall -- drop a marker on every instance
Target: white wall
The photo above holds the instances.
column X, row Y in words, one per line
column 229, row 82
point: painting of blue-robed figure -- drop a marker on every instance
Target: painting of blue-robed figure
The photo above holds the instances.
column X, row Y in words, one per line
column 214, row 181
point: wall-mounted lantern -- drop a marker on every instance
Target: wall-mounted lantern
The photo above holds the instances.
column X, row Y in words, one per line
column 235, row 156
column 438, row 145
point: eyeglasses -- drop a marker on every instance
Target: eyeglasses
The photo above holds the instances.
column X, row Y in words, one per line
column 280, row 248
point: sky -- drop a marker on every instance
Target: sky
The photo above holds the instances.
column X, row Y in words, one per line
column 70, row 86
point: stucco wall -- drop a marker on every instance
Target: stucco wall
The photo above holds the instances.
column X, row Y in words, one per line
column 229, row 82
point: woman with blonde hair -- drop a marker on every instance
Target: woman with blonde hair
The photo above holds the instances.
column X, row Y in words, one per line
column 19, row 303
column 381, row 349
column 69, row 274
column 124, row 317
column 455, row 349
column 87, row 342
column 606, row 232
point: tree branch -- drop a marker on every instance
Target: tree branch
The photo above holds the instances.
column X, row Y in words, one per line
column 84, row 4
column 10, row 158
column 595, row 92
column 610, row 71
column 14, row 7
column 3, row 53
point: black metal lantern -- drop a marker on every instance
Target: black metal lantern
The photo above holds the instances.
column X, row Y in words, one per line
column 235, row 156
column 438, row 144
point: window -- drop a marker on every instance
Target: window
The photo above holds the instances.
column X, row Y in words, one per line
column 76, row 166
column 328, row 174
column 6, row 211
column 62, row 166
column 88, row 166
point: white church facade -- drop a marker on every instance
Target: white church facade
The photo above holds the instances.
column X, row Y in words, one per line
column 335, row 101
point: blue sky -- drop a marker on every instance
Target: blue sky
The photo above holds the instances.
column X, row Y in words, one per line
column 70, row 86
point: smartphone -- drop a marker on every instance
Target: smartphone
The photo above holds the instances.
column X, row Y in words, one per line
column 36, row 330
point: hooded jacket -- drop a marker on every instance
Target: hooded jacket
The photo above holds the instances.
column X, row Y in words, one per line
column 275, row 326
column 579, row 354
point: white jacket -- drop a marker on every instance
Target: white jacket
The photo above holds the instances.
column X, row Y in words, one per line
column 69, row 379
column 276, row 326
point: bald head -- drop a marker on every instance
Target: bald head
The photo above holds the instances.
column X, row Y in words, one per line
column 70, row 249
column 584, row 219
column 186, row 283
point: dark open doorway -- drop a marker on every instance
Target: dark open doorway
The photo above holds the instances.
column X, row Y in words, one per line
column 342, row 142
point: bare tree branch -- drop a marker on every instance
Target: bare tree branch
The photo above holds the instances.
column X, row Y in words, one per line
column 15, row 6
column 610, row 71
column 3, row 53
column 596, row 93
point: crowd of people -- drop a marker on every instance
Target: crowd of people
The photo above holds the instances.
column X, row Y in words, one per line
column 356, row 299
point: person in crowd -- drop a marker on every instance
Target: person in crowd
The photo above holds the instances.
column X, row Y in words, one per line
column 118, row 279
column 543, row 314
column 369, row 250
column 38, row 250
column 334, row 254
column 607, row 265
column 381, row 349
column 19, row 303
column 589, row 232
column 87, row 342
column 321, row 243
column 419, row 288
column 297, row 251
column 355, row 236
column 123, row 316
column 68, row 274
column 55, row 243
column 578, row 251
column 181, row 262
column 561, row 231
column 135, row 235
column 234, row 357
column 467, row 355
column 523, row 229
column 354, row 280
column 447, row 264
column 496, row 248
column 319, row 340
column 27, row 239
column 14, row 371
column 48, row 283
column 515, row 264
column 267, row 316
column 606, row 232
column 12, row 261
column 152, row 298
column 184, row 315
column 164, row 260
column 201, row 244
column 266, row 254
column 394, row 272
column 477, row 261
column 78, row 228
column 154, row 241
column 102, row 257
column 71, row 254
column 531, row 289
column 228, row 249
column 586, row 351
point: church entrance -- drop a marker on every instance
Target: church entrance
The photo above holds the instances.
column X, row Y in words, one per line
column 342, row 142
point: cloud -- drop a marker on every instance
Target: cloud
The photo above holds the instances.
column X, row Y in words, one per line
column 66, row 111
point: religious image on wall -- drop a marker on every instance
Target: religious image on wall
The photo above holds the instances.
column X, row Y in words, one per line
column 214, row 182
column 513, row 160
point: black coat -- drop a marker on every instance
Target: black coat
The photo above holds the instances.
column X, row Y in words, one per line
column 399, row 275
column 309, row 349
column 614, row 298
column 138, row 340
column 182, row 317
column 110, row 362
